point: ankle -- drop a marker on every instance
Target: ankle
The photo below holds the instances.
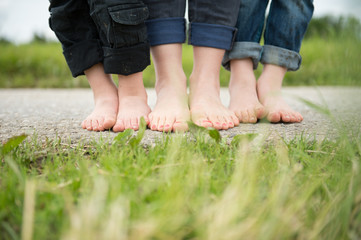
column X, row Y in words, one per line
column 172, row 82
column 131, row 85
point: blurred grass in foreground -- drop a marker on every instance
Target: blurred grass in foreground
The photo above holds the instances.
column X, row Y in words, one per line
column 330, row 51
column 182, row 188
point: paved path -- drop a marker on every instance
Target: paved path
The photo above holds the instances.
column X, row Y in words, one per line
column 59, row 112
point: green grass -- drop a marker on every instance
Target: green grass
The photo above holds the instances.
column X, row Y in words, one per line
column 333, row 61
column 196, row 187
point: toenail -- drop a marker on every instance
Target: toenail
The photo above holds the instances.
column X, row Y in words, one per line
column 224, row 124
column 218, row 123
column 167, row 125
column 161, row 126
column 230, row 123
column 154, row 126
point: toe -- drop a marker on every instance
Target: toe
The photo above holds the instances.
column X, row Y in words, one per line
column 83, row 124
column 201, row 120
column 109, row 122
column 161, row 124
column 293, row 117
column 286, row 117
column 101, row 124
column 127, row 123
column 119, row 126
column 216, row 123
column 89, row 124
column 245, row 117
column 299, row 117
column 260, row 111
column 229, row 121
column 238, row 115
column 95, row 125
column 274, row 117
column 168, row 124
column 252, row 116
column 235, row 120
column 180, row 126
column 154, row 123
column 134, row 123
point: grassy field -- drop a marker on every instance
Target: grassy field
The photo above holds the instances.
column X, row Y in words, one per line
column 198, row 187
column 42, row 65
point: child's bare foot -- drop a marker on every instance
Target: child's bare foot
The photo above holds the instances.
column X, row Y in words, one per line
column 105, row 98
column 269, row 92
column 171, row 112
column 132, row 102
column 242, row 88
column 206, row 107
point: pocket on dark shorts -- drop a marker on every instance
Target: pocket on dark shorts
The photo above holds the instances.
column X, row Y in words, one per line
column 127, row 25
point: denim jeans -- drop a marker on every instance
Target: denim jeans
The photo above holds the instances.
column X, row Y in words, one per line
column 285, row 27
column 109, row 31
column 212, row 22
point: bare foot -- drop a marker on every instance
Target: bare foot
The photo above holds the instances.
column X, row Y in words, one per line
column 206, row 107
column 269, row 92
column 105, row 98
column 171, row 112
column 132, row 102
column 242, row 88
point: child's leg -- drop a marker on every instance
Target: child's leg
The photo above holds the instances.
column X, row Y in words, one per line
column 171, row 111
column 132, row 102
column 269, row 91
column 205, row 103
column 242, row 88
column 286, row 25
column 166, row 33
column 105, row 98
column 243, row 59
column 211, row 32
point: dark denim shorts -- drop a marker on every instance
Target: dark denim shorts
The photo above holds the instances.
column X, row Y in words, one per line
column 112, row 32
column 211, row 22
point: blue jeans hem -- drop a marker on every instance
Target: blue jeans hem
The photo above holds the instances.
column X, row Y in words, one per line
column 166, row 31
column 242, row 50
column 281, row 57
column 211, row 35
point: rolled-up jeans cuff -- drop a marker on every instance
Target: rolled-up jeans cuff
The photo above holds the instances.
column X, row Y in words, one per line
column 242, row 50
column 126, row 61
column 83, row 55
column 281, row 57
column 166, row 31
column 211, row 35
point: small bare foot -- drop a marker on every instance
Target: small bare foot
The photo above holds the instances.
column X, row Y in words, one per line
column 242, row 88
column 206, row 107
column 171, row 112
column 269, row 92
column 132, row 102
column 106, row 100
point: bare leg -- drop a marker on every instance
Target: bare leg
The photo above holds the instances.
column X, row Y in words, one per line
column 132, row 102
column 205, row 103
column 242, row 88
column 171, row 111
column 269, row 91
column 105, row 98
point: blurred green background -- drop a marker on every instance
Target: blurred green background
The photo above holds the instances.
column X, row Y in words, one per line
column 331, row 54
